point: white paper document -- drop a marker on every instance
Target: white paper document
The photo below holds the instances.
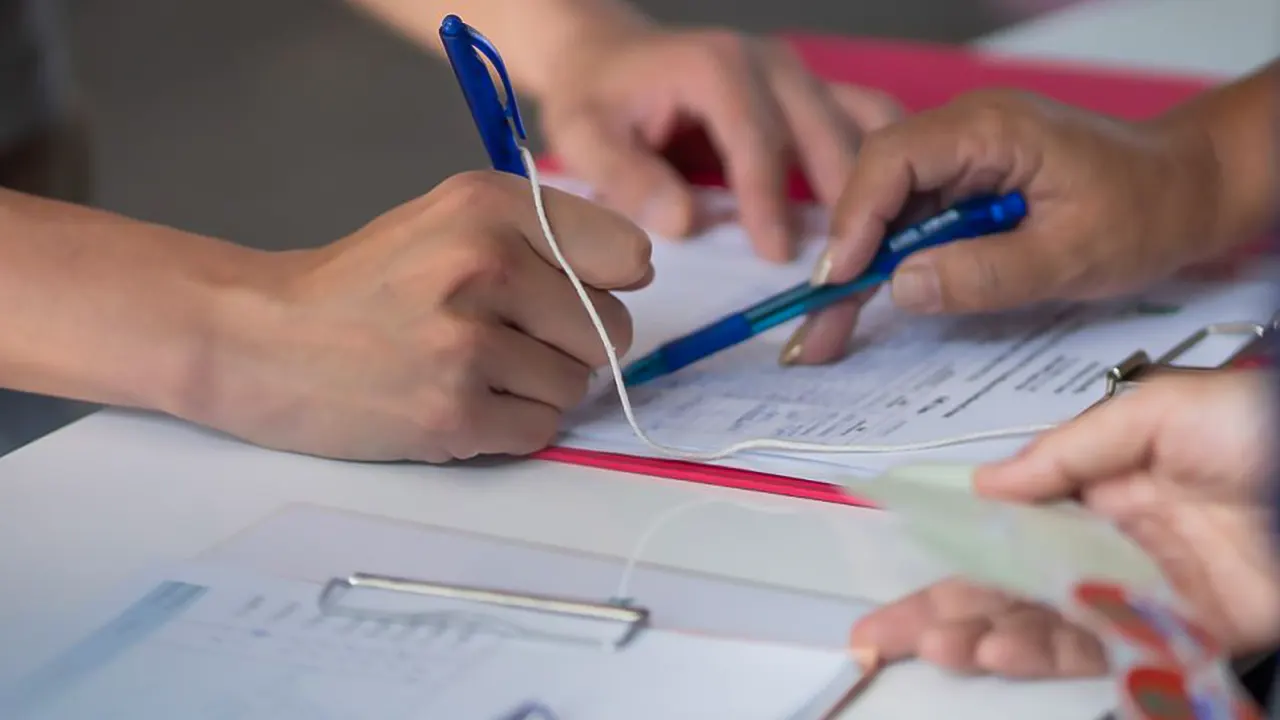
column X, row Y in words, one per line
column 908, row 379
column 208, row 642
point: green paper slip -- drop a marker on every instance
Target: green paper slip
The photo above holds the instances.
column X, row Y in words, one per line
column 1033, row 550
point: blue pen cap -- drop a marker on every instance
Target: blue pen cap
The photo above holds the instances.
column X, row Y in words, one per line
column 1006, row 210
column 466, row 49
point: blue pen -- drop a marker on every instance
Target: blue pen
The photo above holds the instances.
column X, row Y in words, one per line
column 979, row 216
column 493, row 118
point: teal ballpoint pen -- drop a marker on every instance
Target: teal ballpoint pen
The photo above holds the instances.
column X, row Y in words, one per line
column 973, row 218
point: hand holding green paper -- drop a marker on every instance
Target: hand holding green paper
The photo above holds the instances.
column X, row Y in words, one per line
column 1176, row 466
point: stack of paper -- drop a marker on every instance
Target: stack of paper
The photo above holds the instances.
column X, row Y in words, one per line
column 909, row 379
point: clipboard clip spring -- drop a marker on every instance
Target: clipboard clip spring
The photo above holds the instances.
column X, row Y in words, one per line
column 1139, row 366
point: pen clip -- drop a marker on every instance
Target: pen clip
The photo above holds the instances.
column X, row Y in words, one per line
column 486, row 48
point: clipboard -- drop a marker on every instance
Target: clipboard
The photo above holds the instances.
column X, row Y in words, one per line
column 610, row 626
column 920, row 76
column 267, row 603
column 344, row 553
column 548, row 600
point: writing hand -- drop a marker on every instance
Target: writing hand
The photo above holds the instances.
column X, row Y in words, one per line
column 441, row 330
column 1113, row 206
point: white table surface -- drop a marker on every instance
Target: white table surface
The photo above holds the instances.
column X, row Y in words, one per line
column 1212, row 37
column 118, row 493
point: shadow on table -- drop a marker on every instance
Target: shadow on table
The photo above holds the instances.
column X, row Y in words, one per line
column 25, row 417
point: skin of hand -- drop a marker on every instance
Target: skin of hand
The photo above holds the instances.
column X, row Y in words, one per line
column 1112, row 206
column 442, row 330
column 1182, row 466
column 614, row 86
column 614, row 107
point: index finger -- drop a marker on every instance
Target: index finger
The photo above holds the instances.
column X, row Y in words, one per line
column 745, row 124
column 606, row 250
column 898, row 629
column 894, row 630
column 945, row 153
column 1106, row 442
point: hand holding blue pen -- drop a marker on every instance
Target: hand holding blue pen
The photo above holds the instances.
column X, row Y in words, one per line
column 970, row 219
column 501, row 129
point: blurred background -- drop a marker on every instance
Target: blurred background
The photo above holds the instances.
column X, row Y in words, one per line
column 287, row 123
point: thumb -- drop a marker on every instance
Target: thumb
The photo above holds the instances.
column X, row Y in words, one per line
column 995, row 272
column 1106, row 442
column 624, row 172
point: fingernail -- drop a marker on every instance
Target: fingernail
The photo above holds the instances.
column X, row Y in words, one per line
column 916, row 288
column 823, row 270
column 795, row 345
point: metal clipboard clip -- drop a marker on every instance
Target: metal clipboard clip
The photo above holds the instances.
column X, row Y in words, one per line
column 471, row 610
column 1139, row 367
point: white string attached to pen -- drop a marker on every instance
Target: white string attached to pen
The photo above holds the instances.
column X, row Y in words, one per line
column 745, row 445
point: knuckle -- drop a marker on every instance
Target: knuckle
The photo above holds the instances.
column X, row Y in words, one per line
column 990, row 121
column 724, row 47
column 543, row 433
column 984, row 137
column 444, row 420
column 463, row 344
column 448, row 412
column 476, row 193
column 880, row 148
column 716, row 54
column 783, row 53
column 528, row 432
column 1002, row 116
column 482, row 260
column 577, row 388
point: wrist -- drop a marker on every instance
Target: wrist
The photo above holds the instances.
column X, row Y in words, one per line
column 236, row 303
column 1236, row 123
column 114, row 311
column 1196, row 181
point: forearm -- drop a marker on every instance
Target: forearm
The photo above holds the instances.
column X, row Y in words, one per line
column 105, row 309
column 532, row 34
column 1242, row 122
